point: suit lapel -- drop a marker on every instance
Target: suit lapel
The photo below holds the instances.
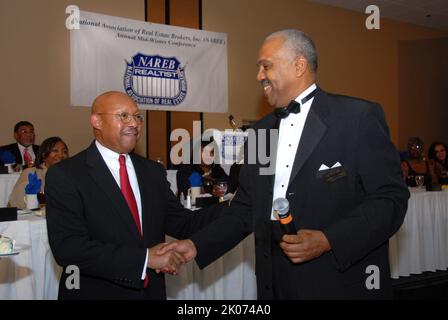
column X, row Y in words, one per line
column 273, row 124
column 102, row 176
column 16, row 151
column 313, row 132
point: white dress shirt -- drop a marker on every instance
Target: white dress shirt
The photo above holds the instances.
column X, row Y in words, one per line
column 111, row 159
column 30, row 150
column 290, row 132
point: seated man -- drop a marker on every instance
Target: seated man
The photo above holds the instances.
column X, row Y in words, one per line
column 23, row 149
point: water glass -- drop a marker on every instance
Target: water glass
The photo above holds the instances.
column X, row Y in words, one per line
column 419, row 180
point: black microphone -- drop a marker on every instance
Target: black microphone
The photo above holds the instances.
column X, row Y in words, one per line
column 281, row 208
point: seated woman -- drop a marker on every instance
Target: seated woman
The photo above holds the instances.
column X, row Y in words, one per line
column 210, row 171
column 437, row 154
column 417, row 165
column 52, row 151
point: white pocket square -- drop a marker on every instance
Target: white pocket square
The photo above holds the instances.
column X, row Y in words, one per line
column 323, row 167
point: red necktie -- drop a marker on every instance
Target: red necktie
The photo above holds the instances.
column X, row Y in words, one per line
column 27, row 157
column 128, row 194
column 126, row 189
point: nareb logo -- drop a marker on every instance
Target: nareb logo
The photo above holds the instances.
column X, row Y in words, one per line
column 155, row 80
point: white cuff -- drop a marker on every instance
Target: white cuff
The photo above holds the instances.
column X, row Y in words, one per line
column 145, row 266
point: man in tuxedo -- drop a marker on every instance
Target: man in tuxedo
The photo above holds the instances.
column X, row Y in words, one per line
column 108, row 210
column 338, row 169
column 24, row 149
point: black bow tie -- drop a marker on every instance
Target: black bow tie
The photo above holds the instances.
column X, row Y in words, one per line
column 293, row 106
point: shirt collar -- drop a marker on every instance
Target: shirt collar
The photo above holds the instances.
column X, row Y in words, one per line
column 108, row 155
column 22, row 147
column 305, row 93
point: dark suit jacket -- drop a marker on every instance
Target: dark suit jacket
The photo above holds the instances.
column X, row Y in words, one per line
column 358, row 209
column 14, row 149
column 90, row 226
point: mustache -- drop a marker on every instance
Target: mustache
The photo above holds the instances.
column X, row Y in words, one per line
column 130, row 131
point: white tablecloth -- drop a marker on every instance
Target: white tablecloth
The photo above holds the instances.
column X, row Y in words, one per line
column 7, row 182
column 421, row 244
column 171, row 177
column 32, row 274
column 230, row 277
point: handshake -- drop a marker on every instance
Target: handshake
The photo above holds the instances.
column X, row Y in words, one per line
column 169, row 257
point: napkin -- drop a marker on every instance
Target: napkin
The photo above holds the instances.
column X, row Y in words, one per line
column 195, row 179
column 7, row 157
column 34, row 184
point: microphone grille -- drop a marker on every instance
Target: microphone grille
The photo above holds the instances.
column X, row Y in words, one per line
column 281, row 205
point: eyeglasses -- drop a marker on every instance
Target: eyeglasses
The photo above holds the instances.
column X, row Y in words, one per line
column 126, row 117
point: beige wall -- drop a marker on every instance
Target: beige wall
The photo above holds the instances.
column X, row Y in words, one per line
column 35, row 62
column 352, row 60
column 34, row 59
column 423, row 103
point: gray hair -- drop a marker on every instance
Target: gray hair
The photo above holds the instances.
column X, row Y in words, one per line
column 300, row 44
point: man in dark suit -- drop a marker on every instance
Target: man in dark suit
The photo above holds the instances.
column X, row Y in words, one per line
column 335, row 164
column 108, row 210
column 24, row 149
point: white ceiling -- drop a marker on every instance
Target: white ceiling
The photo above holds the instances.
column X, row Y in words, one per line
column 428, row 13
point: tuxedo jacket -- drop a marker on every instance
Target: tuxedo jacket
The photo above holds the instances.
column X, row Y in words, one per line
column 358, row 205
column 14, row 149
column 91, row 227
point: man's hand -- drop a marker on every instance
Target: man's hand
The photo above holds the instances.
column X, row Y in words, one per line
column 305, row 245
column 168, row 261
column 186, row 248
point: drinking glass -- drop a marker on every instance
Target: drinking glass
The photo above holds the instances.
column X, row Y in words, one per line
column 419, row 180
column 220, row 188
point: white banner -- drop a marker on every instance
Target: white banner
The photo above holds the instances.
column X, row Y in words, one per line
column 161, row 67
column 230, row 145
